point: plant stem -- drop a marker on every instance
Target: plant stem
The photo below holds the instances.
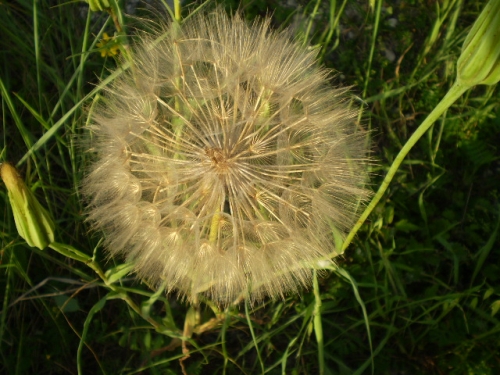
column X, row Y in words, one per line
column 214, row 227
column 451, row 96
column 123, row 295
column 177, row 10
column 73, row 253
column 318, row 325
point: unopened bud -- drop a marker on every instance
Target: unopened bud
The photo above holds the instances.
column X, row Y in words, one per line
column 98, row 5
column 33, row 222
column 479, row 63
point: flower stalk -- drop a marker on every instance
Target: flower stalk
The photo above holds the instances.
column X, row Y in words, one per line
column 452, row 95
column 478, row 64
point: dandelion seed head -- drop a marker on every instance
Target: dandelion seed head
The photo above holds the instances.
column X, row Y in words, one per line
column 224, row 161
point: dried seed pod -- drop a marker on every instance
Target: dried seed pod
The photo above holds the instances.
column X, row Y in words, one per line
column 225, row 161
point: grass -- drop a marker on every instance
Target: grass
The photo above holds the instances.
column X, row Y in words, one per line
column 418, row 289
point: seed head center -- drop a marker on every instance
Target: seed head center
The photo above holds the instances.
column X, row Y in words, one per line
column 218, row 158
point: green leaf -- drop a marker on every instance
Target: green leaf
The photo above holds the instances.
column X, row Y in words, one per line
column 118, row 272
column 495, row 306
column 405, row 226
column 70, row 252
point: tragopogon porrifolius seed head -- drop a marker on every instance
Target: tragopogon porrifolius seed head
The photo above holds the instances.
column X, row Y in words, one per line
column 224, row 161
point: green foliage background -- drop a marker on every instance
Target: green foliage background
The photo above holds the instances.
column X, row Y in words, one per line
column 425, row 266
